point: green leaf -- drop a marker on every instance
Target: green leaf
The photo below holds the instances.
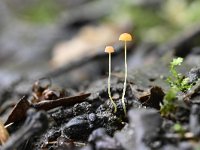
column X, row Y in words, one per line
column 177, row 61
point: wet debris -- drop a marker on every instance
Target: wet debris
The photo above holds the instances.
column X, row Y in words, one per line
column 35, row 124
column 20, row 109
column 65, row 143
column 144, row 121
column 100, row 140
column 82, row 108
column 194, row 74
column 194, row 120
column 52, row 134
column 152, row 97
column 3, row 134
column 126, row 137
column 42, row 89
column 180, row 146
column 142, row 133
column 192, row 96
column 78, row 128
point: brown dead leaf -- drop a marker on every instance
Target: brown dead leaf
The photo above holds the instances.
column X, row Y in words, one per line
column 149, row 97
column 142, row 95
column 3, row 134
column 19, row 111
column 156, row 97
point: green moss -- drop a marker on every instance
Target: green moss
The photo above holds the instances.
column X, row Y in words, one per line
column 193, row 12
column 178, row 128
column 159, row 24
column 168, row 107
column 177, row 80
column 145, row 18
column 44, row 11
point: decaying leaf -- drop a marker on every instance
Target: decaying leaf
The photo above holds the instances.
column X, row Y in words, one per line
column 19, row 111
column 150, row 97
column 156, row 97
column 3, row 134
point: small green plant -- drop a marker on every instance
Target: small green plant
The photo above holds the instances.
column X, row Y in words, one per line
column 168, row 105
column 178, row 83
column 177, row 80
column 178, row 128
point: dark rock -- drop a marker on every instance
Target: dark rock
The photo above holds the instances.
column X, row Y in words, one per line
column 180, row 146
column 182, row 112
column 146, row 124
column 82, row 108
column 194, row 74
column 126, row 138
column 78, row 128
column 92, row 117
column 167, row 124
column 185, row 146
column 194, row 123
column 108, row 120
column 101, row 141
column 53, row 134
column 62, row 115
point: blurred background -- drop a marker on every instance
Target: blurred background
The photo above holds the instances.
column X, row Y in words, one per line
column 65, row 39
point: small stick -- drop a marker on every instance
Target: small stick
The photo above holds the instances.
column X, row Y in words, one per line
column 50, row 104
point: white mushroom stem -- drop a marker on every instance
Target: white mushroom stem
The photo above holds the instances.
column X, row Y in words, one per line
column 109, row 76
column 124, row 90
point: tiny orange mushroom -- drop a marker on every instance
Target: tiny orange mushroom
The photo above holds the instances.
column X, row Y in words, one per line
column 125, row 37
column 109, row 50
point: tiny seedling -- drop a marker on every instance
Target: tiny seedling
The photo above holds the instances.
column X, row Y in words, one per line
column 168, row 105
column 177, row 80
column 178, row 128
column 125, row 37
column 110, row 50
column 178, row 83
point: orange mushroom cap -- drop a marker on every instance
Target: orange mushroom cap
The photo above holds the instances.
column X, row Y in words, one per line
column 109, row 49
column 125, row 37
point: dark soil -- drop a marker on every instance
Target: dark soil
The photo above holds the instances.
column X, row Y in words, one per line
column 92, row 124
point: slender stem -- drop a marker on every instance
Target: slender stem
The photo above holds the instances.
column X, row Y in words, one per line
column 109, row 93
column 124, row 90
